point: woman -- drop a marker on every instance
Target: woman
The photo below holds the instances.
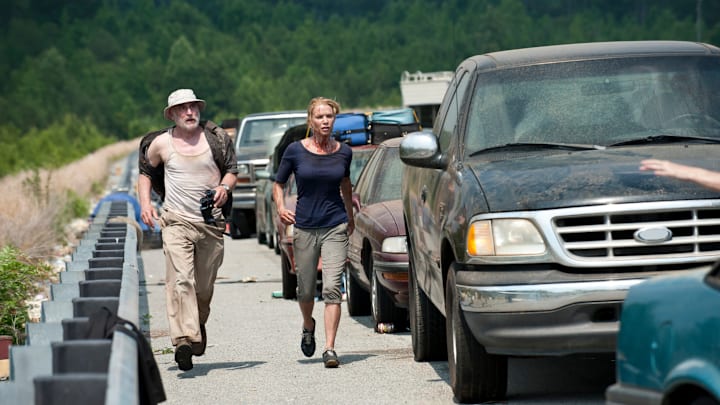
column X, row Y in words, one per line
column 323, row 219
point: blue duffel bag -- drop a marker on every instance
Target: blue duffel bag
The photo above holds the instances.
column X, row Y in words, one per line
column 351, row 128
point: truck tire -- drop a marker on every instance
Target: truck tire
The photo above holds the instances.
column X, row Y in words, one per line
column 358, row 300
column 242, row 224
column 289, row 280
column 427, row 325
column 270, row 240
column 475, row 375
column 382, row 306
column 237, row 221
column 260, row 234
column 277, row 244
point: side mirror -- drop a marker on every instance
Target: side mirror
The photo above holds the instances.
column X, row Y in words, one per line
column 422, row 149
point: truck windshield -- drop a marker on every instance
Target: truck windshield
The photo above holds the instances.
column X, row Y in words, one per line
column 598, row 102
column 257, row 132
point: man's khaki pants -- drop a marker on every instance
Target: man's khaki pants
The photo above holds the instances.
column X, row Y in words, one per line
column 193, row 254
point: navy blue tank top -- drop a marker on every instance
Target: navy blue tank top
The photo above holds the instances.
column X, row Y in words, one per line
column 318, row 177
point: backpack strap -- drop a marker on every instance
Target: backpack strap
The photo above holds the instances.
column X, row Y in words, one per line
column 220, row 144
column 223, row 152
column 151, row 389
column 103, row 323
column 156, row 174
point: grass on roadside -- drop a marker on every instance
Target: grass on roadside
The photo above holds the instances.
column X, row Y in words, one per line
column 36, row 211
column 20, row 278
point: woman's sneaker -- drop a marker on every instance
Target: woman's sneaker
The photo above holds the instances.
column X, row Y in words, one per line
column 307, row 343
column 330, row 359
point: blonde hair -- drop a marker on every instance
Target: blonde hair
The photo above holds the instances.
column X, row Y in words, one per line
column 321, row 100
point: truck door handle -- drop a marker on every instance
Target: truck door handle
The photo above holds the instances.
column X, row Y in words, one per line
column 423, row 193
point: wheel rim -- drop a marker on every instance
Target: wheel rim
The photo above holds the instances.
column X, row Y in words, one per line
column 348, row 294
column 411, row 299
column 373, row 288
column 453, row 337
column 374, row 297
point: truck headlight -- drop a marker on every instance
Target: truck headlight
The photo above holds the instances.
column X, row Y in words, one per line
column 243, row 169
column 395, row 244
column 504, row 237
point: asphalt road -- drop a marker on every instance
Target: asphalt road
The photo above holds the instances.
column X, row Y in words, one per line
column 254, row 357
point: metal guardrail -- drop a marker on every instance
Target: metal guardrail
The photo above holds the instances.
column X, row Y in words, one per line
column 58, row 364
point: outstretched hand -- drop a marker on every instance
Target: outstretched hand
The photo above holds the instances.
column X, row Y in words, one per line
column 662, row 167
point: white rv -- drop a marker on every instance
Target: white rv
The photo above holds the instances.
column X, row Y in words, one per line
column 423, row 92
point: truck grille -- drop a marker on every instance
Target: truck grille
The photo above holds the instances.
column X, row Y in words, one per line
column 250, row 177
column 611, row 235
column 255, row 168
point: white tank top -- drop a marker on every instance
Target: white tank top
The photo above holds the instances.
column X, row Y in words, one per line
column 186, row 179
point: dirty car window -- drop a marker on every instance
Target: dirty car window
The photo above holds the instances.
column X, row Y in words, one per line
column 595, row 102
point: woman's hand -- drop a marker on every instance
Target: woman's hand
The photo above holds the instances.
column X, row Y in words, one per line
column 286, row 216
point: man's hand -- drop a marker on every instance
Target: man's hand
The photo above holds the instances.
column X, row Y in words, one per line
column 149, row 215
column 221, row 196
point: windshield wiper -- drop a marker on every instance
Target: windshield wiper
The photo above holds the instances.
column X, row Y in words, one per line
column 666, row 139
column 540, row 145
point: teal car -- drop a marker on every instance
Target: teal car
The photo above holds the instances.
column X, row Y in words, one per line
column 668, row 349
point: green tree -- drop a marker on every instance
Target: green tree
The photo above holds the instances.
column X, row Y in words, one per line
column 108, row 65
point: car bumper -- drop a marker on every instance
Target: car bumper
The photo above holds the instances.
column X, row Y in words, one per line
column 542, row 319
column 540, row 297
column 393, row 275
column 244, row 198
column 622, row 394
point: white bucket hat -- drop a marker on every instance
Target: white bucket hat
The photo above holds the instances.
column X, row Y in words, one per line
column 181, row 96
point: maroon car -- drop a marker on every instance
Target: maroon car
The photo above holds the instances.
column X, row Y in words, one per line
column 377, row 270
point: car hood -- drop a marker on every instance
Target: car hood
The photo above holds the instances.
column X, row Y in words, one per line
column 252, row 153
column 387, row 216
column 552, row 179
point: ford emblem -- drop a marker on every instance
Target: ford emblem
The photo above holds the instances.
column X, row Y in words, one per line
column 653, row 235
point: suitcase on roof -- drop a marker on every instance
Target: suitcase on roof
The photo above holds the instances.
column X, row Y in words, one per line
column 401, row 116
column 351, row 128
column 381, row 131
column 392, row 124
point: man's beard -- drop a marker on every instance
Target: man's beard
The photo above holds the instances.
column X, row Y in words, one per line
column 189, row 126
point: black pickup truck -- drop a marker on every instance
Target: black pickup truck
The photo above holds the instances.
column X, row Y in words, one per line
column 527, row 215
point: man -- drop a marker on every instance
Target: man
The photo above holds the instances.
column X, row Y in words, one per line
column 183, row 164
